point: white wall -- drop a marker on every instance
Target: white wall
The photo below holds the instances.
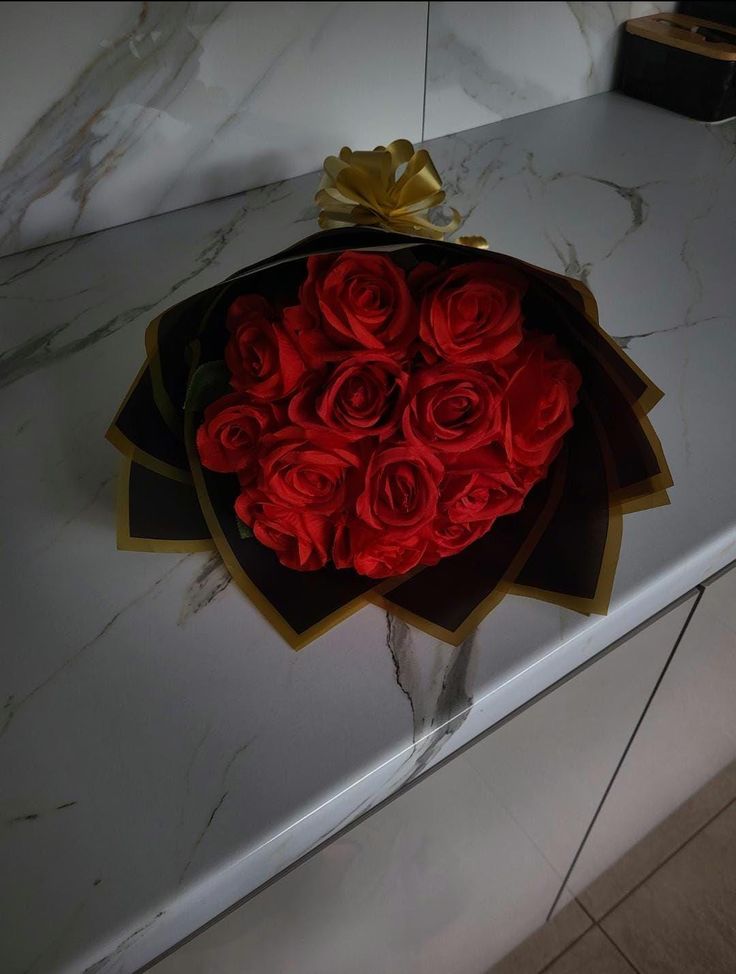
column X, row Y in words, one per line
column 115, row 111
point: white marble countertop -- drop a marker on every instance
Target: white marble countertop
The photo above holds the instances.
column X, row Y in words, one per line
column 162, row 751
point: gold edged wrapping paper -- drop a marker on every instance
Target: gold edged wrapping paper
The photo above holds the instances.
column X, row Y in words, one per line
column 296, row 640
column 642, row 495
column 118, row 437
column 128, row 541
column 653, row 393
column 169, row 413
column 171, row 416
column 121, row 442
column 599, row 602
column 651, row 492
column 380, row 596
column 133, row 453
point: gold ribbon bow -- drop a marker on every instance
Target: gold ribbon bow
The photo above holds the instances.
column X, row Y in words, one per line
column 364, row 188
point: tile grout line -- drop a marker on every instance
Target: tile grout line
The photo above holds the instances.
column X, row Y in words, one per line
column 618, row 949
column 585, row 910
column 426, row 72
column 596, row 925
column 626, row 750
column 653, row 872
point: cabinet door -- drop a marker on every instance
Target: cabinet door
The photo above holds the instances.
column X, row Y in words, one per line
column 458, row 870
column 687, row 736
column 550, row 766
column 440, row 880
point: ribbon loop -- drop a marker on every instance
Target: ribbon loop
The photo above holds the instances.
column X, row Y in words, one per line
column 365, row 189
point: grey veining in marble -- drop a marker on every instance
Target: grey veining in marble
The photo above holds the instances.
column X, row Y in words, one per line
column 162, row 752
column 487, row 61
column 129, row 84
column 148, row 107
column 437, row 686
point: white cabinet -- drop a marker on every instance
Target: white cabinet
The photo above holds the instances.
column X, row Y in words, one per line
column 439, row 880
column 688, row 735
column 550, row 766
column 458, row 870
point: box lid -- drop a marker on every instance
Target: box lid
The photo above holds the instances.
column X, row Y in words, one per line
column 692, row 34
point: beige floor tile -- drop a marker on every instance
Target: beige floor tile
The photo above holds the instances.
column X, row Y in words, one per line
column 593, row 954
column 683, row 918
column 547, row 943
column 634, row 866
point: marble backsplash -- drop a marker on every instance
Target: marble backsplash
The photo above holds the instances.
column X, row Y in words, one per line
column 116, row 111
column 488, row 61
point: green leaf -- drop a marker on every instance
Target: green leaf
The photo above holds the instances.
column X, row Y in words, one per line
column 243, row 530
column 208, row 383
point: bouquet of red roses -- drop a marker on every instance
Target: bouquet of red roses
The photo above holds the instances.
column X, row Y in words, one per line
column 387, row 419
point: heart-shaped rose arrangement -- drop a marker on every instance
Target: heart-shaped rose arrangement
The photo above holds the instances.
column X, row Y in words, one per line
column 387, row 419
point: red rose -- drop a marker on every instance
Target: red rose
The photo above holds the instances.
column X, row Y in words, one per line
column 401, row 488
column 307, row 470
column 362, row 300
column 377, row 554
column 449, row 537
column 452, row 409
column 230, row 431
column 261, row 357
column 538, row 402
column 250, row 309
column 408, row 432
column 301, row 539
column 307, row 333
column 483, row 485
column 472, row 314
column 363, row 396
column 249, row 502
column 422, row 277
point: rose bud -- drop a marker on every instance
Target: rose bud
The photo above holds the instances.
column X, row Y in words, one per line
column 538, row 402
column 261, row 357
column 230, row 432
